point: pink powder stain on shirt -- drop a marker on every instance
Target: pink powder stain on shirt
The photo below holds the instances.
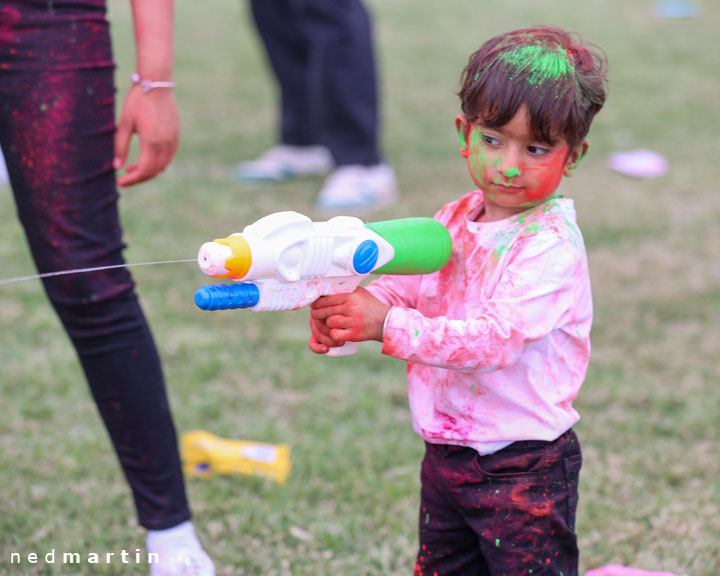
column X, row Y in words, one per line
column 508, row 315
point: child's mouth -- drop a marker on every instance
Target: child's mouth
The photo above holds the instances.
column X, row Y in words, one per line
column 508, row 187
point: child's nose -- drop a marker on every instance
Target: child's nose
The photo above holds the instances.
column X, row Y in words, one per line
column 509, row 168
column 509, row 165
column 510, row 171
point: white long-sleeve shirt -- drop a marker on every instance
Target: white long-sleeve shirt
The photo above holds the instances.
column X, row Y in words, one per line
column 498, row 341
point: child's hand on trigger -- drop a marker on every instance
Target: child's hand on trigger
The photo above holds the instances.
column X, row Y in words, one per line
column 320, row 341
column 341, row 318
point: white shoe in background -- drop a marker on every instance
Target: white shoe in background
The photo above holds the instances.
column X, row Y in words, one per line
column 283, row 162
column 177, row 552
column 3, row 171
column 357, row 189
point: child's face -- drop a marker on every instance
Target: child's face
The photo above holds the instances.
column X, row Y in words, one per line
column 514, row 171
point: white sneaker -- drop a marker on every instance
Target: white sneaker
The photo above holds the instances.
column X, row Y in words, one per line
column 358, row 189
column 3, row 170
column 177, row 552
column 283, row 162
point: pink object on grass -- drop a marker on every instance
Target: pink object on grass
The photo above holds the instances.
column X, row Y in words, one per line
column 638, row 163
column 618, row 570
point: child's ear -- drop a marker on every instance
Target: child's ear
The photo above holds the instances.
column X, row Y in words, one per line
column 575, row 156
column 462, row 126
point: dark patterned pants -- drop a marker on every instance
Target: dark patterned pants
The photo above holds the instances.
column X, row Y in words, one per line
column 511, row 513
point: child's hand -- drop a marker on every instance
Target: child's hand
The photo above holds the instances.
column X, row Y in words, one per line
column 320, row 341
column 341, row 318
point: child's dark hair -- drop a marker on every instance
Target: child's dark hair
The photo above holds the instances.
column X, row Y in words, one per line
column 561, row 80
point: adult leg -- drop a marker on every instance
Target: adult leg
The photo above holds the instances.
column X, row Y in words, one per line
column 57, row 109
column 299, row 153
column 279, row 24
column 323, row 56
column 342, row 76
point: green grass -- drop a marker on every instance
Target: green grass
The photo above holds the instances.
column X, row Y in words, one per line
column 650, row 488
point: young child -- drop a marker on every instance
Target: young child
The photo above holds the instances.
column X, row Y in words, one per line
column 497, row 342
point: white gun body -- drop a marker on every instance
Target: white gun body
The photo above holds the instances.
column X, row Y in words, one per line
column 293, row 261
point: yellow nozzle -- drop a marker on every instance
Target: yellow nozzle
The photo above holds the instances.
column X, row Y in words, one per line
column 239, row 263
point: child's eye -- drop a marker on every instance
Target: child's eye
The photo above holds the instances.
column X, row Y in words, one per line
column 538, row 150
column 490, row 140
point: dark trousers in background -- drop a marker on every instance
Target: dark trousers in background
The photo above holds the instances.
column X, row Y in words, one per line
column 511, row 513
column 56, row 131
column 322, row 54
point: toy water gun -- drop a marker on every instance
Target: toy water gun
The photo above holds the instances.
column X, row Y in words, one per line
column 204, row 454
column 285, row 261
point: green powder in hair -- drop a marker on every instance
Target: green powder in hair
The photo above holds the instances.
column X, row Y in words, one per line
column 540, row 62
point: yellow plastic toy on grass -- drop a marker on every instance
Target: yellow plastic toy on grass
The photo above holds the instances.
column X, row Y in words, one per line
column 205, row 454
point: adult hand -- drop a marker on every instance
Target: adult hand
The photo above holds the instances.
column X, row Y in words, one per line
column 153, row 116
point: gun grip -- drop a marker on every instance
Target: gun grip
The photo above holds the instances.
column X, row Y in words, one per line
column 347, row 349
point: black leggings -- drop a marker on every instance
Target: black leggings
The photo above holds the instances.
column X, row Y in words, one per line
column 56, row 132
